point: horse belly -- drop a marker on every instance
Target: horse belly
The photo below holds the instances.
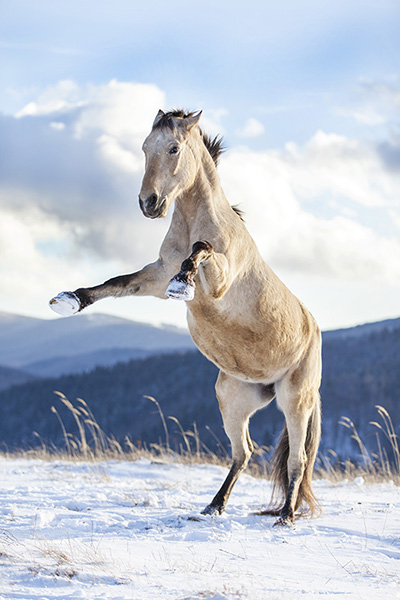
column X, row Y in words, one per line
column 241, row 352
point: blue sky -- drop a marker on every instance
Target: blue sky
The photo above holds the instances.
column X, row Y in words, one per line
column 306, row 94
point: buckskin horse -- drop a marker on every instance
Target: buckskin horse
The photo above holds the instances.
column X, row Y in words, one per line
column 240, row 315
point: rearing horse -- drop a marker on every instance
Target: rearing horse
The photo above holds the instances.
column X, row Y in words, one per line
column 240, row 315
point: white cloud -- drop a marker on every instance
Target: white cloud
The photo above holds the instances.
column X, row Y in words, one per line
column 251, row 129
column 367, row 115
column 118, row 114
column 339, row 167
column 28, row 273
column 385, row 92
column 122, row 110
column 57, row 125
column 59, row 98
column 118, row 157
column 377, row 103
column 211, row 121
column 285, row 195
column 395, row 217
column 68, row 196
column 339, row 248
column 70, row 177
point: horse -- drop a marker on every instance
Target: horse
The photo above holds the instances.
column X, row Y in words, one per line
column 240, row 315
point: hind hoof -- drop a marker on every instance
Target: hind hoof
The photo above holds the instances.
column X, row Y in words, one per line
column 213, row 510
column 284, row 522
column 180, row 290
column 65, row 304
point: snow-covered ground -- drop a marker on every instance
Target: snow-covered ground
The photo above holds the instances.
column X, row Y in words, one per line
column 133, row 530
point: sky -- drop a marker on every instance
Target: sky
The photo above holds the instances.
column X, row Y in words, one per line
column 306, row 95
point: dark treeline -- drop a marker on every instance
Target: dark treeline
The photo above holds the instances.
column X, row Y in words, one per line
column 358, row 373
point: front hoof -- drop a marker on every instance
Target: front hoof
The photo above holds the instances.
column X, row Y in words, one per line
column 213, row 510
column 65, row 304
column 180, row 290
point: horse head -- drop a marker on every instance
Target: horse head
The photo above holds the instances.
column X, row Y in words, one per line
column 171, row 164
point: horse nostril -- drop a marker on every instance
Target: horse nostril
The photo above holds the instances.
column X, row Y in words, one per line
column 152, row 199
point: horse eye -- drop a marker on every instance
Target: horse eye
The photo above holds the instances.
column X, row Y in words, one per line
column 174, row 150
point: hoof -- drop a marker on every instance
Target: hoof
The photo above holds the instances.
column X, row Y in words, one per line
column 284, row 522
column 213, row 510
column 180, row 290
column 65, row 304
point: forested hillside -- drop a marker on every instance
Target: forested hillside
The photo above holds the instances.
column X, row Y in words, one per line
column 55, row 347
column 359, row 371
column 10, row 376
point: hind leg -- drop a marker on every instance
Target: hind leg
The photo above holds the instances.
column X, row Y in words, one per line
column 298, row 397
column 296, row 422
column 238, row 400
column 301, row 407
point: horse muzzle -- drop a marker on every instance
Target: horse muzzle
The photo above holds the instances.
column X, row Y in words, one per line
column 153, row 207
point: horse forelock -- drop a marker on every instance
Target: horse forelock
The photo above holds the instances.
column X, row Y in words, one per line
column 166, row 121
column 214, row 145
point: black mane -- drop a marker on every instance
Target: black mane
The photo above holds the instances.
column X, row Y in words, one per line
column 238, row 211
column 214, row 145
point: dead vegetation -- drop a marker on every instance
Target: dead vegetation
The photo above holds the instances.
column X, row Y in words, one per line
column 92, row 444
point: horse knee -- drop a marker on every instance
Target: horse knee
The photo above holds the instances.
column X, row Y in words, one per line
column 238, row 401
column 236, row 428
column 237, row 431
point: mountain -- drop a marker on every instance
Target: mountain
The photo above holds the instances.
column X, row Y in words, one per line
column 10, row 377
column 87, row 361
column 183, row 383
column 361, row 368
column 359, row 371
column 70, row 345
column 362, row 330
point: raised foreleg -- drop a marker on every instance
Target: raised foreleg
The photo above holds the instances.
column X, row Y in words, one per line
column 152, row 280
column 238, row 400
column 212, row 268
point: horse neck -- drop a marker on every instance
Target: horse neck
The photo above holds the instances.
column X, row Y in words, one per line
column 204, row 202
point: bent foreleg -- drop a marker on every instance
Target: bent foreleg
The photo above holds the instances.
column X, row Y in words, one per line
column 212, row 268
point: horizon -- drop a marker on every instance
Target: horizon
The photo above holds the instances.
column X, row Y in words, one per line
column 160, row 324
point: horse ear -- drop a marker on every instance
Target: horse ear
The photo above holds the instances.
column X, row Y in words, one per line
column 159, row 115
column 190, row 122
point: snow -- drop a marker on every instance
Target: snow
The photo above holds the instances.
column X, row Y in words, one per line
column 120, row 530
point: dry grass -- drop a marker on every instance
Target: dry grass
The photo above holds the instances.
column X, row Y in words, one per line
column 92, row 444
column 373, row 466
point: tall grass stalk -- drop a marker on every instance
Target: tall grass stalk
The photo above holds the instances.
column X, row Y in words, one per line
column 374, row 465
column 388, row 431
column 92, row 443
column 164, row 422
